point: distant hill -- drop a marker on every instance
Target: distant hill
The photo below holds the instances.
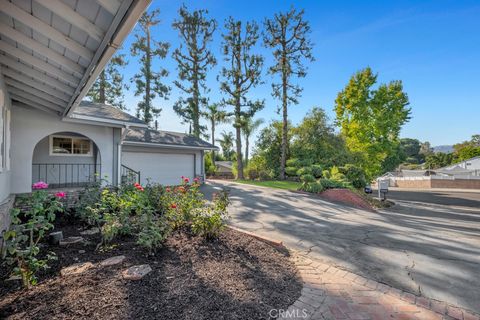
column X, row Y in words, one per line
column 444, row 149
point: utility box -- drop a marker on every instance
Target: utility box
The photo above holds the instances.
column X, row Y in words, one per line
column 383, row 188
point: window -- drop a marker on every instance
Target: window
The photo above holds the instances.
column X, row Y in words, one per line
column 70, row 146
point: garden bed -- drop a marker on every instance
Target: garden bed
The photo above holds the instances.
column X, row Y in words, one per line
column 232, row 277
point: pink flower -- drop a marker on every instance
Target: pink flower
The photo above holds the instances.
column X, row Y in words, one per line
column 60, row 195
column 39, row 185
column 183, row 177
column 196, row 180
column 168, row 189
column 186, row 180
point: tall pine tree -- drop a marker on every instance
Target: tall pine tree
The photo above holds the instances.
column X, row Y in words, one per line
column 148, row 83
column 109, row 86
column 242, row 72
column 287, row 34
column 194, row 59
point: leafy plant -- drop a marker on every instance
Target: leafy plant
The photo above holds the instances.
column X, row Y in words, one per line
column 209, row 222
column 27, row 230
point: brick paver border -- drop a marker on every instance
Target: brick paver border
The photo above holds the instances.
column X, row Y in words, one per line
column 330, row 292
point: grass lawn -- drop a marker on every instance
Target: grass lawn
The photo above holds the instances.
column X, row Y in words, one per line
column 287, row 185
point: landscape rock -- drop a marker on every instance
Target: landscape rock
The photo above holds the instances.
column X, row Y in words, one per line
column 136, row 272
column 90, row 232
column 81, row 251
column 76, row 268
column 55, row 237
column 70, row 240
column 112, row 261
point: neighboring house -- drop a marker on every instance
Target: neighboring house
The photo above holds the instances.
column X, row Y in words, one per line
column 472, row 164
column 224, row 169
column 50, row 54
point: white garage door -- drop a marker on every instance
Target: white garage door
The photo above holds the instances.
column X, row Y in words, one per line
column 163, row 168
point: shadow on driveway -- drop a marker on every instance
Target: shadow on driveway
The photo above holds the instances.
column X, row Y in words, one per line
column 429, row 250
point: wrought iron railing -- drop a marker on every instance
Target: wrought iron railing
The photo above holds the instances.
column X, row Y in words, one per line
column 129, row 176
column 61, row 175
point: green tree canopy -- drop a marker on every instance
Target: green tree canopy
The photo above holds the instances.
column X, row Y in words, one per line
column 109, row 86
column 194, row 60
column 287, row 33
column 148, row 82
column 315, row 140
column 370, row 120
column 241, row 73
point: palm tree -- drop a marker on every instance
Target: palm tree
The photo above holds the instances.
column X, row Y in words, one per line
column 226, row 142
column 249, row 126
column 215, row 115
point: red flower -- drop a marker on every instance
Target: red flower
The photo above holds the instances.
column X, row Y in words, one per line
column 186, row 180
column 173, row 206
column 60, row 195
column 138, row 186
column 168, row 189
column 181, row 189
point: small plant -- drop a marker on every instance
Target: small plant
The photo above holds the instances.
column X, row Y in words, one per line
column 210, row 221
column 153, row 230
column 27, row 230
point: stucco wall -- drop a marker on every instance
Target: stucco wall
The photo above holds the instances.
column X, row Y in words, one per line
column 29, row 126
column 5, row 172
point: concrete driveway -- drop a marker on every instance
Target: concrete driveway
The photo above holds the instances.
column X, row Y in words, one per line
column 427, row 249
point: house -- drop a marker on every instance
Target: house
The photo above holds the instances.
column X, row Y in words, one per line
column 51, row 52
column 224, row 169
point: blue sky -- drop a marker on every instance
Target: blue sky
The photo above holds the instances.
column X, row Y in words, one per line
column 432, row 46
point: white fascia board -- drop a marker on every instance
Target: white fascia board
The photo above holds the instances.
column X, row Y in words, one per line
column 101, row 122
column 160, row 145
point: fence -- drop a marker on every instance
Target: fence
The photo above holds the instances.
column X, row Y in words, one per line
column 61, row 175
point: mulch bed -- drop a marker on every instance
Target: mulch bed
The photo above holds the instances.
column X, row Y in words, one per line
column 233, row 277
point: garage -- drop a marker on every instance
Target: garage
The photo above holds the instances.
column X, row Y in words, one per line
column 163, row 168
column 163, row 157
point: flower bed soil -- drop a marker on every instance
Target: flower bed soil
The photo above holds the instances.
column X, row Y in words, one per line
column 233, row 277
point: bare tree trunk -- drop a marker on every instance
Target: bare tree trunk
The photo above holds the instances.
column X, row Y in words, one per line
column 213, row 141
column 196, row 102
column 285, row 121
column 246, row 150
column 146, row 112
column 101, row 91
column 239, row 153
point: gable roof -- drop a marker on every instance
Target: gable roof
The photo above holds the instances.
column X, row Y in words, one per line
column 94, row 111
column 142, row 136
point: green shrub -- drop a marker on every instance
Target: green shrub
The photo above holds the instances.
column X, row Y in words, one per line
column 354, row 175
column 294, row 162
column 251, row 173
column 291, row 171
column 326, row 174
column 331, row 184
column 265, row 175
column 209, row 222
column 314, row 187
column 307, row 178
column 27, row 230
column 317, row 170
column 304, row 170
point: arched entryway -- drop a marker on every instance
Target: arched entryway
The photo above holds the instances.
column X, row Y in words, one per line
column 66, row 159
